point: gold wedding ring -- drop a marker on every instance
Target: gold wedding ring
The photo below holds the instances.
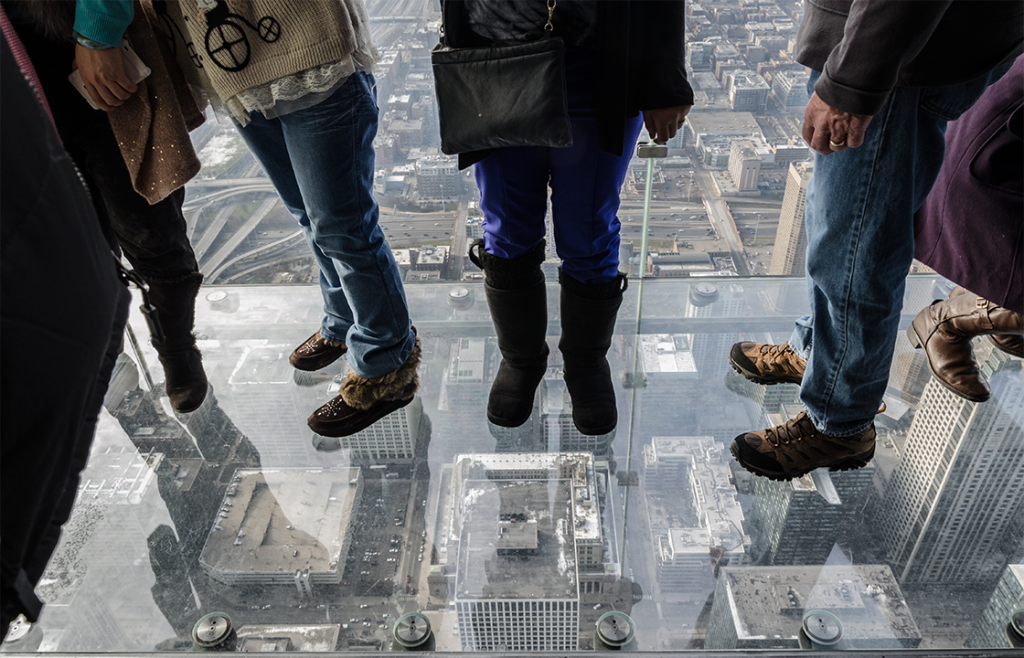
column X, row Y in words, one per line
column 837, row 145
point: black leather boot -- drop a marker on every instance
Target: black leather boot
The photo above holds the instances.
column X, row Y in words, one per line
column 588, row 322
column 517, row 298
column 175, row 302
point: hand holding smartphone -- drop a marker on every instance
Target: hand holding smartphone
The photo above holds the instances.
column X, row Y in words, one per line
column 134, row 70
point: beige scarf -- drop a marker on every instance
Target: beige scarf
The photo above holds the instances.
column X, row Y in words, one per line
column 152, row 126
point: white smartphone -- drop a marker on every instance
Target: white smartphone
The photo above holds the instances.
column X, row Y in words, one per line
column 133, row 68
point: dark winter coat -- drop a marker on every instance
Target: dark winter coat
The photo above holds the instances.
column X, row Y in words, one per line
column 641, row 58
column 866, row 48
column 971, row 227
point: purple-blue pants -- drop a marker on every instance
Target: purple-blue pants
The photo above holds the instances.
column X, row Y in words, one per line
column 584, row 182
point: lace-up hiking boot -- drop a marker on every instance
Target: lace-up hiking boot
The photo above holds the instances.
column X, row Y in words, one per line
column 767, row 364
column 316, row 353
column 796, row 448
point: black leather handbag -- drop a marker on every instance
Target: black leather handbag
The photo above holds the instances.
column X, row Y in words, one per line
column 501, row 96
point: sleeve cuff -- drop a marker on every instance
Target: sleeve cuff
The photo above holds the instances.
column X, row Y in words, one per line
column 86, row 42
column 102, row 28
column 849, row 99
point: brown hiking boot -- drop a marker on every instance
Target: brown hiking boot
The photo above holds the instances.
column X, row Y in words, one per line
column 317, row 352
column 767, row 364
column 796, row 448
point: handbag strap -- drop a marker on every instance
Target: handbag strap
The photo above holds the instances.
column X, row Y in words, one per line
column 549, row 26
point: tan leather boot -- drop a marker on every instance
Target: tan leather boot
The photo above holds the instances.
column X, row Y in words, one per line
column 945, row 330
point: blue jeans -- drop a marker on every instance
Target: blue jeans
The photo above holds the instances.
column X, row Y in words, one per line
column 320, row 160
column 584, row 180
column 860, row 243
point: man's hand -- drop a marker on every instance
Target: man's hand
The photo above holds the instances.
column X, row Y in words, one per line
column 827, row 130
column 102, row 72
column 663, row 124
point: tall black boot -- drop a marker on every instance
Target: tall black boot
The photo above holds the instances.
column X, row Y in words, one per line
column 517, row 298
column 175, row 302
column 588, row 322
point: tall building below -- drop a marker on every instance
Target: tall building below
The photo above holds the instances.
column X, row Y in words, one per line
column 744, row 165
column 790, row 89
column 748, row 92
column 791, row 239
column 285, row 526
column 990, row 630
column 799, row 521
column 437, row 179
column 692, row 509
column 953, row 500
column 524, row 528
column 471, row 363
column 698, row 55
column 763, row 607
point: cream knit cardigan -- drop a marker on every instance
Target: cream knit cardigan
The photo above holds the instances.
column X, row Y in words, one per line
column 264, row 40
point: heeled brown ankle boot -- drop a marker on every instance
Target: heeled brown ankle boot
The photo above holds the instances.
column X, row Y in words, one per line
column 945, row 330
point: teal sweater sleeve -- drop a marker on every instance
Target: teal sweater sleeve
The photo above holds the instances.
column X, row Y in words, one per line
column 103, row 20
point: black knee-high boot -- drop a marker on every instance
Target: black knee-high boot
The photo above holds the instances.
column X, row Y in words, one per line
column 517, row 298
column 175, row 302
column 588, row 322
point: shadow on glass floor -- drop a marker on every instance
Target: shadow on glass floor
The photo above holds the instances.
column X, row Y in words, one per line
column 526, row 539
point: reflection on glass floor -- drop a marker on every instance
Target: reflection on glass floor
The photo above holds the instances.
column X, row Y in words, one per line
column 523, row 539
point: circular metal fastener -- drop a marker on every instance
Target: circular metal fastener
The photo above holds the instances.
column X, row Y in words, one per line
column 1015, row 629
column 822, row 629
column 212, row 630
column 615, row 628
column 703, row 294
column 18, row 629
column 459, row 297
column 411, row 630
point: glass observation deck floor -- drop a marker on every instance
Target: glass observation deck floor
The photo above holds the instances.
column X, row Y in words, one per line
column 522, row 539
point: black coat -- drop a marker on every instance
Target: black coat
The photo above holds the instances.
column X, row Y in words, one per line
column 641, row 59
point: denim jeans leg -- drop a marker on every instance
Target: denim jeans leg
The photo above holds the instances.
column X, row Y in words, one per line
column 265, row 138
column 859, row 219
column 330, row 146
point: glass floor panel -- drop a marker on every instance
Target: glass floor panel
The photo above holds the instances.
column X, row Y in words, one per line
column 522, row 540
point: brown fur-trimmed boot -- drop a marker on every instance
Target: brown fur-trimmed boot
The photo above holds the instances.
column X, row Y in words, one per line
column 945, row 330
column 175, row 302
column 363, row 401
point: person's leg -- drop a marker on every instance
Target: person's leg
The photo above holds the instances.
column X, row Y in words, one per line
column 265, row 139
column 330, row 146
column 59, row 295
column 36, row 563
column 585, row 183
column 152, row 237
column 859, row 217
column 513, row 186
